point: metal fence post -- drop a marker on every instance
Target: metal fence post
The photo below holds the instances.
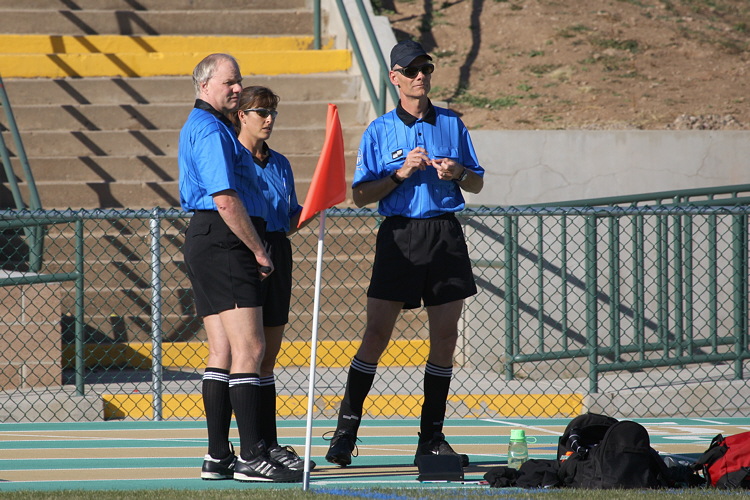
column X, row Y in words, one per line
column 713, row 288
column 80, row 363
column 540, row 282
column 639, row 286
column 687, row 262
column 316, row 25
column 511, row 293
column 615, row 331
column 156, row 326
column 662, row 283
column 564, row 277
column 591, row 304
column 739, row 291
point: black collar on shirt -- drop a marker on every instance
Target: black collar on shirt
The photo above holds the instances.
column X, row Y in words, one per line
column 408, row 119
column 201, row 104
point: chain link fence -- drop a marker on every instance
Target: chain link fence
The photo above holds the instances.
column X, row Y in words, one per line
column 638, row 311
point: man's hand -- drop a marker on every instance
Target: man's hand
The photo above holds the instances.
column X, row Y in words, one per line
column 447, row 169
column 265, row 266
column 417, row 159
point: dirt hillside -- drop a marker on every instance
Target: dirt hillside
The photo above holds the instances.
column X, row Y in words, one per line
column 585, row 64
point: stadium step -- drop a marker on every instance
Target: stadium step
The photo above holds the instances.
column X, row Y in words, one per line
column 99, row 91
column 181, row 406
column 33, row 56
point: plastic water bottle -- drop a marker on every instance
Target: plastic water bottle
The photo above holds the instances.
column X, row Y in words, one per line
column 518, row 449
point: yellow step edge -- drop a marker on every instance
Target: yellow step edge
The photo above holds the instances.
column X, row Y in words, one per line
column 168, row 64
column 329, row 354
column 140, row 406
column 114, row 44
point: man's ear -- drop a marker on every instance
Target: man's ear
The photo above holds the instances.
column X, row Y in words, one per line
column 392, row 77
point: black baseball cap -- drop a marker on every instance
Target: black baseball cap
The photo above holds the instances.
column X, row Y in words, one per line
column 405, row 51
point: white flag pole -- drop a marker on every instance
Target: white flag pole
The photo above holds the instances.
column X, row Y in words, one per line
column 313, row 352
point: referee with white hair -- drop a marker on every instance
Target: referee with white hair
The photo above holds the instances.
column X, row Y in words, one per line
column 414, row 161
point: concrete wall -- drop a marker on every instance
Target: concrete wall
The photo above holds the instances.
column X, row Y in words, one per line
column 30, row 340
column 535, row 166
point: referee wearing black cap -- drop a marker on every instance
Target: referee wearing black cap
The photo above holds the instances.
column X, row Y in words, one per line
column 414, row 161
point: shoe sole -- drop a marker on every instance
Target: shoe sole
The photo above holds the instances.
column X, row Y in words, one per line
column 214, row 476
column 464, row 460
column 338, row 461
column 252, row 479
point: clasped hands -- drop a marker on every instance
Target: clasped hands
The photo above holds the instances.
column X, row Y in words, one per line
column 447, row 169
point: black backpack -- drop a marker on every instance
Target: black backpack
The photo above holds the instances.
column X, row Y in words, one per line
column 622, row 457
column 583, row 433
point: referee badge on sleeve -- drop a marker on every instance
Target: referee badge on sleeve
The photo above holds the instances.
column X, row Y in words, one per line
column 397, row 154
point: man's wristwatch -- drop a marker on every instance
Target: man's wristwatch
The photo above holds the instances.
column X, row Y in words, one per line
column 463, row 175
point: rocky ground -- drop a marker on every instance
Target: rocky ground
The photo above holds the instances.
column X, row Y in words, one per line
column 586, row 64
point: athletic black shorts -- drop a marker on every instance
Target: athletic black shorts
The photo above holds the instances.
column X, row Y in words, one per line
column 277, row 288
column 421, row 260
column 221, row 268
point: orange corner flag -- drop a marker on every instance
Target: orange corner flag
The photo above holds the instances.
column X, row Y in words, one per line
column 328, row 186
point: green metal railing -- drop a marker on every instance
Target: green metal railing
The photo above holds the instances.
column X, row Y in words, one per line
column 36, row 236
column 735, row 194
column 569, row 296
column 379, row 96
column 12, row 220
column 677, row 341
column 617, row 253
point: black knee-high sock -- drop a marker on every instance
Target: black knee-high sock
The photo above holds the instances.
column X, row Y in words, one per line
column 244, row 391
column 268, row 411
column 358, row 384
column 437, row 381
column 218, row 408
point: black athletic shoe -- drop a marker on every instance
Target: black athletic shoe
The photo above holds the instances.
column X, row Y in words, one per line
column 263, row 468
column 343, row 445
column 214, row 469
column 437, row 445
column 286, row 456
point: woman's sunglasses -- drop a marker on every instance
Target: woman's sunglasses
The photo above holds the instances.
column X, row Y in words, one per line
column 263, row 112
column 413, row 71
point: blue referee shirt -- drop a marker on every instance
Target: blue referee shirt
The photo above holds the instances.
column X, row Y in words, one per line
column 211, row 159
column 387, row 141
column 278, row 184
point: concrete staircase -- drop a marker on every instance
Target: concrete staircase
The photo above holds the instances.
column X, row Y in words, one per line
column 99, row 99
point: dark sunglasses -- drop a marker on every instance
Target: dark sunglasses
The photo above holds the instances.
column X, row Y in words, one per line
column 413, row 71
column 263, row 112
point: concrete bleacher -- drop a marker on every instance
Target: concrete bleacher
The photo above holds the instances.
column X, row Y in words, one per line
column 99, row 91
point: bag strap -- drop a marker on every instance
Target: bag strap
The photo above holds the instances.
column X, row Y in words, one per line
column 733, row 479
column 712, row 454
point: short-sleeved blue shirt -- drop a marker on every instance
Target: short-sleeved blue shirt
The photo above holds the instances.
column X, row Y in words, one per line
column 278, row 186
column 211, row 159
column 387, row 141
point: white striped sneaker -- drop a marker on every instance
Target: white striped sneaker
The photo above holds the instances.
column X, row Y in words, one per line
column 262, row 468
column 285, row 455
column 215, row 469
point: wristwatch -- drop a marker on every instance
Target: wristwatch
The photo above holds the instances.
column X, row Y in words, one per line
column 463, row 175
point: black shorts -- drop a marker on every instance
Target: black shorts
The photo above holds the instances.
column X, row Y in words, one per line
column 221, row 268
column 421, row 260
column 277, row 288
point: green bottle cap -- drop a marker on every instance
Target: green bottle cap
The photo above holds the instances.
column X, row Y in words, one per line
column 517, row 435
